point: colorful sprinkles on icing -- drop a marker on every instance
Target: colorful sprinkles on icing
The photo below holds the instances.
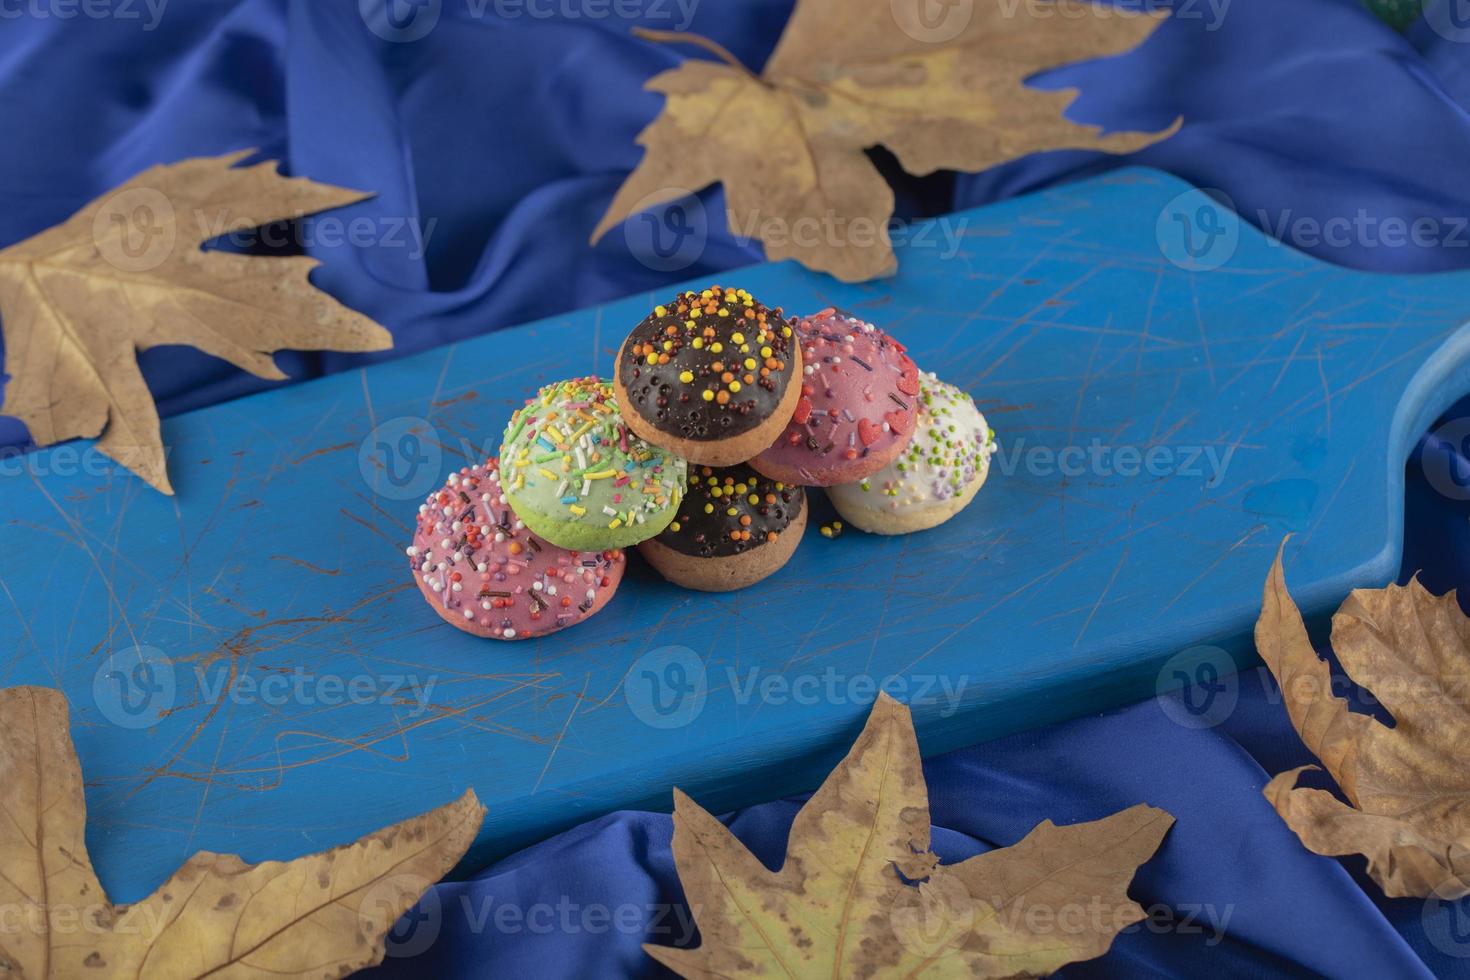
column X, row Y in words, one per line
column 840, row 352
column 708, row 365
column 476, row 560
column 569, row 448
column 731, row 510
column 951, row 448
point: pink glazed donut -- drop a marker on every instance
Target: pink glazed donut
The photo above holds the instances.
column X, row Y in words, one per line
column 483, row 571
column 859, row 397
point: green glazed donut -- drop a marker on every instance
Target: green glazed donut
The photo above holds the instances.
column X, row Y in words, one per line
column 577, row 475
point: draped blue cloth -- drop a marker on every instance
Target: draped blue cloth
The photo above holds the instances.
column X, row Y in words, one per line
column 502, row 137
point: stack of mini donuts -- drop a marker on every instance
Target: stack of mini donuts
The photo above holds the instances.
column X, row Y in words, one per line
column 720, row 413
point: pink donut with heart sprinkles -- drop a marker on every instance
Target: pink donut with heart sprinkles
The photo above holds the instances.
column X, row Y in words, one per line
column 481, row 569
column 856, row 413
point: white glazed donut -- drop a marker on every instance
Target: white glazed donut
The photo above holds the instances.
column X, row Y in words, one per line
column 937, row 474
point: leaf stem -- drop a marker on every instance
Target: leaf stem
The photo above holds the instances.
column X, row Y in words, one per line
column 699, row 41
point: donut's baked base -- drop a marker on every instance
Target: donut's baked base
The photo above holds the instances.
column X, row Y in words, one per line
column 830, row 472
column 456, row 618
column 882, row 520
column 714, row 452
column 731, row 572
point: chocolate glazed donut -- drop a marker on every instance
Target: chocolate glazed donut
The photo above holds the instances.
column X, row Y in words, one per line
column 709, row 376
column 734, row 528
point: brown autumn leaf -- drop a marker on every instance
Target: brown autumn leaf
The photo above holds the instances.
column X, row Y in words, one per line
column 127, row 272
column 851, row 74
column 1409, row 785
column 838, row 908
column 317, row 916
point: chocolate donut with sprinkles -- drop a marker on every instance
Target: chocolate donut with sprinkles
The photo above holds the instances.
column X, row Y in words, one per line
column 734, row 528
column 482, row 570
column 857, row 404
column 709, row 376
column 579, row 477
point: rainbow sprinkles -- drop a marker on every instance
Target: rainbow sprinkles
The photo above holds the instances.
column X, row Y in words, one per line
column 579, row 477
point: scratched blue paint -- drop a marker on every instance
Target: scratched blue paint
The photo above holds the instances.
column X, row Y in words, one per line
column 250, row 669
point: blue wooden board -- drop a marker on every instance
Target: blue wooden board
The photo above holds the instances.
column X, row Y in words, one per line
column 279, row 567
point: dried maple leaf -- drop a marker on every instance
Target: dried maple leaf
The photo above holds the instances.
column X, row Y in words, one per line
column 317, row 916
column 851, row 74
column 1409, row 785
column 128, row 272
column 839, row 908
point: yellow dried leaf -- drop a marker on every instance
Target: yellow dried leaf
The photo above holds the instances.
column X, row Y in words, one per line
column 839, row 908
column 1408, row 784
column 317, row 916
column 851, row 74
column 128, row 272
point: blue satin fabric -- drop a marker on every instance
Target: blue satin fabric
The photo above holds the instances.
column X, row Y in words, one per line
column 506, row 137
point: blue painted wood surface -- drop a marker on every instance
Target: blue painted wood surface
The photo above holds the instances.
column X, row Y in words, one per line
column 276, row 713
